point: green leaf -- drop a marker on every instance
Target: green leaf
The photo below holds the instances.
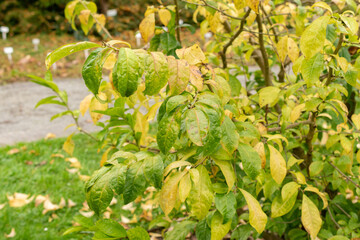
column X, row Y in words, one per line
column 174, row 102
column 135, row 183
column 197, row 126
column 184, row 187
column 312, row 68
column 157, row 72
column 154, row 168
column 49, row 100
column 316, row 168
column 268, row 96
column 230, row 137
column 168, row 131
column 127, row 72
column 92, row 69
column 227, row 169
column 250, row 159
column 201, row 195
column 84, row 221
column 242, row 232
column 138, row 233
column 66, row 50
column 226, row 205
column 45, row 83
column 214, row 135
column 218, row 229
column 74, row 229
column 203, row 231
column 313, row 38
column 167, row 41
column 284, row 203
column 223, row 90
column 179, row 75
column 257, row 217
column 181, row 230
column 111, row 228
column 310, row 217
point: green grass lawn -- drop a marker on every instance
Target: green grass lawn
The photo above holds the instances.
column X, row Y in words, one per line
column 32, row 171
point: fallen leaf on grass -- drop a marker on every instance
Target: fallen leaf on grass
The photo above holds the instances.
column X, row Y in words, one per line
column 57, row 155
column 72, row 170
column 49, row 206
column 33, row 152
column 2, row 206
column 71, row 203
column 87, row 214
column 29, row 162
column 11, row 234
column 74, row 162
column 40, row 199
column 49, row 136
column 19, row 199
column 84, row 177
column 13, row 151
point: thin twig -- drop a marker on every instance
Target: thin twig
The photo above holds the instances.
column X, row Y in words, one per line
column 342, row 210
column 290, row 126
column 332, row 217
column 97, row 22
column 344, row 175
column 232, row 39
column 309, row 138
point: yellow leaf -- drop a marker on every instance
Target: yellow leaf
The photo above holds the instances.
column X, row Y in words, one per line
column 277, row 165
column 184, row 187
column 147, row 27
column 268, row 95
column 84, row 20
column 165, row 16
column 142, row 126
column 296, row 112
column 292, row 50
column 358, row 156
column 313, row 38
column 169, row 192
column 152, row 111
column 322, row 5
column 240, row 4
column 282, row 48
column 356, row 120
column 343, row 63
column 95, row 105
column 196, row 77
column 228, row 170
column 310, row 217
column 253, row 4
column 257, row 217
column 50, row 136
column 110, row 62
column 85, row 104
column 321, row 195
column 19, row 199
column 193, row 55
column 74, row 162
column 102, row 20
column 260, row 149
column 175, row 164
column 11, row 234
column 69, row 145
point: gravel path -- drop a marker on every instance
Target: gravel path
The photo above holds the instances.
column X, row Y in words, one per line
column 20, row 122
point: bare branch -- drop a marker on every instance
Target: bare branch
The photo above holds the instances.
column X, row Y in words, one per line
column 344, row 175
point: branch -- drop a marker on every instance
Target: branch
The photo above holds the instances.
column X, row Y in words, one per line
column 338, row 47
column 177, row 19
column 309, row 138
column 232, row 39
column 332, row 217
column 290, row 126
column 98, row 23
column 344, row 175
column 268, row 81
column 210, row 6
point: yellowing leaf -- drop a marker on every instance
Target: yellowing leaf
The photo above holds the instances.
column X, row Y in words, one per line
column 292, row 50
column 322, row 5
column 253, row 4
column 257, row 217
column 321, row 195
column 175, row 164
column 351, row 23
column 85, row 104
column 268, row 95
column 147, row 27
column 179, row 75
column 228, row 170
column 281, row 47
column 313, row 38
column 277, row 165
column 296, row 112
column 169, row 192
column 96, row 105
column 193, row 55
column 218, row 229
column 110, row 62
column 69, row 145
column 284, row 203
column 101, row 19
column 310, row 217
column 196, row 77
column 74, row 162
column 165, row 16
column 184, row 187
column 260, row 149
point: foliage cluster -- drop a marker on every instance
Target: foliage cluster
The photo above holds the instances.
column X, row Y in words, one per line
column 274, row 157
